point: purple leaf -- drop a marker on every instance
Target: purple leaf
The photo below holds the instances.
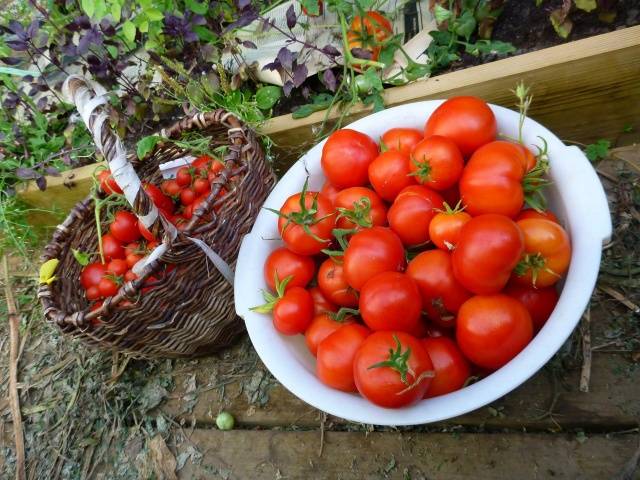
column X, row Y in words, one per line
column 53, row 171
column 306, row 93
column 331, row 51
column 17, row 45
column 42, row 103
column 275, row 65
column 300, row 74
column 329, row 79
column 291, row 17
column 25, row 173
column 242, row 4
column 33, row 28
column 11, row 60
column 66, row 159
column 267, row 25
column 362, row 53
column 248, row 44
column 41, row 182
column 16, row 27
column 287, row 87
column 247, row 17
column 285, row 57
column 106, row 27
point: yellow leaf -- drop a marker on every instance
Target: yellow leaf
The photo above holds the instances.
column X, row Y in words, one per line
column 47, row 270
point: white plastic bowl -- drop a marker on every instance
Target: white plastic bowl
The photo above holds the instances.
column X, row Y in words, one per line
column 576, row 196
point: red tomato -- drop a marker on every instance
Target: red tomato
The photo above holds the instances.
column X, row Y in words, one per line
column 468, row 121
column 107, row 183
column 161, row 201
column 489, row 248
column 125, row 227
column 442, row 295
column 201, row 186
column 117, row 267
column 531, row 213
column 321, row 327
column 437, row 163
column 284, row 263
column 346, row 156
column 335, row 354
column 451, row 195
column 132, row 259
column 170, row 187
column 374, row 24
column 216, row 167
column 183, row 176
column 372, row 251
column 187, row 196
column 129, row 276
column 445, row 228
column 317, row 218
column 391, row 301
column 111, row 247
column 389, row 174
column 108, row 287
column 492, row 180
column 320, row 303
column 144, row 231
column 92, row 293
column 392, row 369
column 333, row 285
column 547, row 253
column 202, row 163
column 401, row 139
column 359, row 207
column 92, row 274
column 329, row 191
column 451, row 368
column 293, row 313
column 539, row 302
column 492, row 329
column 411, row 213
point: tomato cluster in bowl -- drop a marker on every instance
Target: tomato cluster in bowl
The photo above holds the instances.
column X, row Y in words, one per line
column 418, row 264
column 127, row 241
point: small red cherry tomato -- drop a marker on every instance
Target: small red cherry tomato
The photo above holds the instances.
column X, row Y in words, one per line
column 436, row 162
column 346, row 156
column 322, row 326
column 411, row 213
column 401, row 139
column 335, row 354
column 285, row 263
column 359, row 207
column 451, row 368
column 334, row 286
column 320, row 303
column 389, row 174
column 539, row 302
column 293, row 313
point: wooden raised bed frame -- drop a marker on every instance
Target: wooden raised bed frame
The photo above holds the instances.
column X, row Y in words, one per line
column 583, row 91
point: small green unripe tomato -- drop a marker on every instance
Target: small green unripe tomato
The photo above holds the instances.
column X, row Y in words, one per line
column 225, row 421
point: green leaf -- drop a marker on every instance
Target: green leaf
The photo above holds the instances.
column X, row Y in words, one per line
column 311, row 6
column 598, row 151
column 88, row 6
column 441, row 14
column 195, row 7
column 484, row 47
column 82, row 258
column 113, row 50
column 146, row 145
column 628, row 128
column 267, row 96
column 465, row 25
column 116, row 11
column 204, row 34
column 320, row 102
column 365, row 4
column 100, row 9
column 376, row 100
column 129, row 30
column 441, row 37
column 18, row 72
column 562, row 27
column 154, row 15
column 586, row 5
column 144, row 26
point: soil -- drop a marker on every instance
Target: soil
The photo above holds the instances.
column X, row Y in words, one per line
column 521, row 23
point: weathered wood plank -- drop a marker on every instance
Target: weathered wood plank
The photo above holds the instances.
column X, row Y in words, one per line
column 615, row 382
column 584, row 90
column 356, row 455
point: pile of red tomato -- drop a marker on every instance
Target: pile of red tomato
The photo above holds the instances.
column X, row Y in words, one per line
column 417, row 265
column 128, row 241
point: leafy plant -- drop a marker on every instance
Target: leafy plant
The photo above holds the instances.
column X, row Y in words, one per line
column 561, row 17
column 598, row 150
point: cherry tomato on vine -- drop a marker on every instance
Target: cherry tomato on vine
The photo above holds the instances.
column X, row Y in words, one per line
column 445, row 227
column 170, row 187
column 451, row 368
column 492, row 329
column 107, row 183
column 284, row 263
column 442, row 295
column 539, row 302
column 391, row 301
column 346, row 156
column 335, row 354
column 468, row 121
column 401, row 139
column 188, row 196
column 389, row 174
column 293, row 313
column 370, row 252
column 359, row 207
column 183, row 177
column 436, row 162
column 411, row 213
column 92, row 293
column 201, row 186
column 202, row 163
column 322, row 326
column 392, row 369
column 306, row 222
column 329, row 191
column 161, row 201
column 125, row 227
column 321, row 304
column 108, row 287
column 374, row 24
column 92, row 274
column 129, row 276
column 547, row 253
column 531, row 213
column 111, row 247
column 117, row 267
column 334, row 286
column 489, row 248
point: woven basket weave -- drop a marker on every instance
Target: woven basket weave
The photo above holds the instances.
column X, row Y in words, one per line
column 190, row 310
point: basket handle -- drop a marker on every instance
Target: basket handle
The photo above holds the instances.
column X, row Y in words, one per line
column 91, row 102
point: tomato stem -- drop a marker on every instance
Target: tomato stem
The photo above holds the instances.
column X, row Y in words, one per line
column 398, row 361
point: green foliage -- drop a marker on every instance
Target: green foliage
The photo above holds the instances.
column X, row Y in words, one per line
column 146, row 144
column 267, row 96
column 598, row 150
column 560, row 18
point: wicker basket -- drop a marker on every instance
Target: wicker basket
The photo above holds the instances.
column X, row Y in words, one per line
column 190, row 310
